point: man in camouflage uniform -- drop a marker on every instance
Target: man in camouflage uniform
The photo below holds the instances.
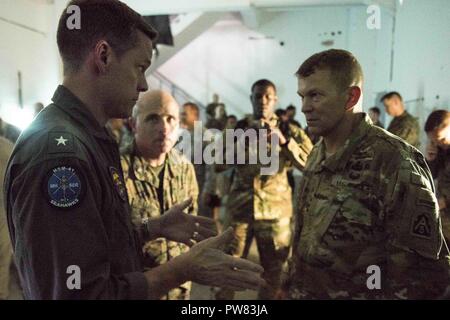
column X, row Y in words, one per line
column 366, row 202
column 258, row 205
column 403, row 125
column 437, row 154
column 158, row 176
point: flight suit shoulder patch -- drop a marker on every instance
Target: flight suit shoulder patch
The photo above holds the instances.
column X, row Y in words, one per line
column 60, row 142
column 64, row 187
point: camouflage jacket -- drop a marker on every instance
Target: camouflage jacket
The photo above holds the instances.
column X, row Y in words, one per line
column 266, row 197
column 407, row 128
column 440, row 169
column 142, row 185
column 371, row 203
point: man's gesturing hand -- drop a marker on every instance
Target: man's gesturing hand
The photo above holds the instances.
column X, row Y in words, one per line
column 185, row 228
column 207, row 264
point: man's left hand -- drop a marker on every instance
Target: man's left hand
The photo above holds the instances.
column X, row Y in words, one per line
column 185, row 228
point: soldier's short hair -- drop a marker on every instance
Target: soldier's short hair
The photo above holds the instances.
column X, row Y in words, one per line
column 110, row 20
column 376, row 110
column 191, row 105
column 291, row 107
column 344, row 67
column 264, row 83
column 437, row 119
column 391, row 94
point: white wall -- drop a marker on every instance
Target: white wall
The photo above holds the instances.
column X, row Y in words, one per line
column 422, row 55
column 34, row 53
column 224, row 60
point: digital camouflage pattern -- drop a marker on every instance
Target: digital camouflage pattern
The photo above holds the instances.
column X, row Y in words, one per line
column 266, row 197
column 142, row 184
column 260, row 206
column 406, row 127
column 370, row 203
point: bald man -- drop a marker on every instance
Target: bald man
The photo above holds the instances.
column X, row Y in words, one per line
column 158, row 176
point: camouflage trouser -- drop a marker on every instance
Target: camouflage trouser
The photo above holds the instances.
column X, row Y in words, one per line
column 5, row 257
column 273, row 238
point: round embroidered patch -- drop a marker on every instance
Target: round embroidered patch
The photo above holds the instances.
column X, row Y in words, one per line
column 64, row 187
column 118, row 183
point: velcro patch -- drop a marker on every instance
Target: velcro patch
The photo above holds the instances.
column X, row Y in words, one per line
column 421, row 227
column 64, row 187
column 60, row 142
column 118, row 183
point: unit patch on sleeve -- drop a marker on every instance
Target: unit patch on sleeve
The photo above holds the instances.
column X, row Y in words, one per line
column 64, row 187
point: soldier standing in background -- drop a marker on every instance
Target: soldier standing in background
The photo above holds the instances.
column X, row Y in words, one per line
column 374, row 114
column 403, row 125
column 258, row 205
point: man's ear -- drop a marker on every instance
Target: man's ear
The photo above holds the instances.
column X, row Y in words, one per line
column 354, row 93
column 102, row 56
column 132, row 122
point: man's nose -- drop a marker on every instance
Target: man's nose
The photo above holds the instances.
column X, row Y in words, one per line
column 306, row 106
column 265, row 99
column 143, row 85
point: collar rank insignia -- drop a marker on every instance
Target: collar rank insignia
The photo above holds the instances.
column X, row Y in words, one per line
column 64, row 187
column 118, row 183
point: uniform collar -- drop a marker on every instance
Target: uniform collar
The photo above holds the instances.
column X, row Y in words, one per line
column 403, row 115
column 65, row 100
column 339, row 160
column 140, row 165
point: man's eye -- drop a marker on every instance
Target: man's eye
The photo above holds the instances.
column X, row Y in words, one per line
column 153, row 118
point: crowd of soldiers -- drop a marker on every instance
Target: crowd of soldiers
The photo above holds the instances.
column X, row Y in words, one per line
column 142, row 222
